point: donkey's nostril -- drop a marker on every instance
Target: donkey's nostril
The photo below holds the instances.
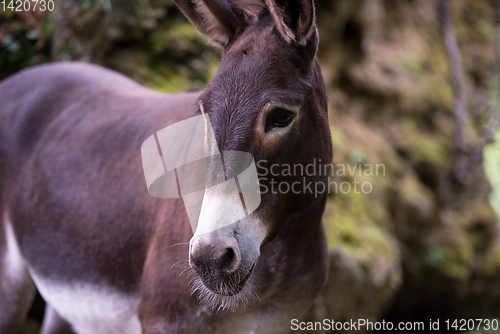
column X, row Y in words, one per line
column 210, row 257
column 228, row 262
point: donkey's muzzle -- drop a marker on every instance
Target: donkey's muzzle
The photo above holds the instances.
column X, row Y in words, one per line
column 218, row 263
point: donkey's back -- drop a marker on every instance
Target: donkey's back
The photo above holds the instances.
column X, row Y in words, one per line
column 48, row 103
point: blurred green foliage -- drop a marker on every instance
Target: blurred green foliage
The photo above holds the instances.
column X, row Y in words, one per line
column 25, row 40
column 178, row 58
column 492, row 168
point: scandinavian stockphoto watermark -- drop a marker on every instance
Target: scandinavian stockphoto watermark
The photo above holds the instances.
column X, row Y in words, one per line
column 316, row 177
column 183, row 161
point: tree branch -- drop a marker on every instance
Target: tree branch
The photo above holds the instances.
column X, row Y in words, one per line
column 460, row 108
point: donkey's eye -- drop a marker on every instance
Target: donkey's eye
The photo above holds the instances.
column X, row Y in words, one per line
column 279, row 118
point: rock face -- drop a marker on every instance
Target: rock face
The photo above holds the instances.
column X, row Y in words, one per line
column 409, row 243
column 419, row 245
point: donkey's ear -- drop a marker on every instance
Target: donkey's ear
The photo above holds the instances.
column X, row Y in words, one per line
column 295, row 19
column 219, row 20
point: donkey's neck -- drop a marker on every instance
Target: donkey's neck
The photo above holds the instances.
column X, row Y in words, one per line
column 297, row 256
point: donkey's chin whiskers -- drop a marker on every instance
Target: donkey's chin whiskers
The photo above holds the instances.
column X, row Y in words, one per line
column 180, row 244
column 227, row 301
column 183, row 264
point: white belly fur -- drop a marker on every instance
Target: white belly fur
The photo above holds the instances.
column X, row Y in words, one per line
column 91, row 309
column 13, row 261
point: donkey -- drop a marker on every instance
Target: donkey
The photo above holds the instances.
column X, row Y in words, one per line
column 78, row 223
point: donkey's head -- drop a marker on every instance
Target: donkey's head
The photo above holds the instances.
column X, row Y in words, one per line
column 268, row 99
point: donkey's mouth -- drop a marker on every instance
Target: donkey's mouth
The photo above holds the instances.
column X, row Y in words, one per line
column 234, row 289
column 227, row 292
column 245, row 279
column 238, row 287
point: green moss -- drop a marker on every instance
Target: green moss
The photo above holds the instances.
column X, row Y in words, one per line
column 338, row 137
column 355, row 222
column 429, row 149
column 425, row 147
column 451, row 257
column 177, row 36
column 456, row 261
column 492, row 169
column 163, row 79
column 492, row 264
column 412, row 192
column 434, row 256
column 351, row 225
column 48, row 26
column 178, row 58
column 67, row 47
column 471, row 21
column 483, row 213
column 87, row 4
column 439, row 92
column 362, row 146
column 413, row 64
column 340, row 143
column 8, row 13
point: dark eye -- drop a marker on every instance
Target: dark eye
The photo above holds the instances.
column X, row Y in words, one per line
column 279, row 118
